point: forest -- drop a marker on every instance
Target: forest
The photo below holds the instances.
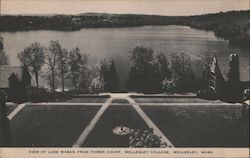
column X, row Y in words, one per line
column 233, row 26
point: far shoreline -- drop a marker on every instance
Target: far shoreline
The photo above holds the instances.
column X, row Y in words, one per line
column 231, row 26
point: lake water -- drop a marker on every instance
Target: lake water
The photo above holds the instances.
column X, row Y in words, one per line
column 115, row 43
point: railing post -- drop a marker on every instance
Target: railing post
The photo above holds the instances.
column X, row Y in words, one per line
column 5, row 135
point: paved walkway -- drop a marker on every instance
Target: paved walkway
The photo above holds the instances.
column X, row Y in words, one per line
column 125, row 96
column 15, row 111
column 150, row 123
column 132, row 102
column 92, row 124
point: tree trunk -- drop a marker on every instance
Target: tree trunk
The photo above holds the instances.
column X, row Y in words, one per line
column 36, row 76
column 82, row 78
column 75, row 85
column 53, row 81
column 62, row 82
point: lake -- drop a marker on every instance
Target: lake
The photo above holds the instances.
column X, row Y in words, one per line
column 115, row 43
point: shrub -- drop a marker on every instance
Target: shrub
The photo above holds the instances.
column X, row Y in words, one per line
column 145, row 138
column 35, row 94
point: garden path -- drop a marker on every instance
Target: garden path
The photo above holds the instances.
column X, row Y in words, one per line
column 92, row 124
column 125, row 96
column 17, row 109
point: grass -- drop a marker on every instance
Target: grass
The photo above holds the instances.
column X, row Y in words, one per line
column 87, row 100
column 102, row 135
column 50, row 126
column 201, row 126
column 172, row 100
column 120, row 101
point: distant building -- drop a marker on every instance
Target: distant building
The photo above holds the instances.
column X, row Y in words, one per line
column 217, row 81
column 5, row 73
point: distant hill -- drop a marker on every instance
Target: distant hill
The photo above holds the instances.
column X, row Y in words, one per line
column 233, row 26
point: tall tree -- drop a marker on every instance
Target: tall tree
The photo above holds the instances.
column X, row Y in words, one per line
column 233, row 87
column 141, row 57
column 52, row 60
column 113, row 77
column 74, row 67
column 4, row 60
column 164, row 66
column 33, row 57
column 104, row 75
column 26, row 77
column 183, row 76
column 15, row 90
column 1, row 43
column 234, row 69
column 62, row 64
column 83, row 62
column 97, row 84
column 144, row 74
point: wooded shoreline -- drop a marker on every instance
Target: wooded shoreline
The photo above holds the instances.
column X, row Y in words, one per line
column 233, row 26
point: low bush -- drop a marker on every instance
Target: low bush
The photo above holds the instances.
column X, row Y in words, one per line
column 34, row 94
column 146, row 138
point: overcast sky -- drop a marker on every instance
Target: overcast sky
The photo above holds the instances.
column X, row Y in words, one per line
column 159, row 7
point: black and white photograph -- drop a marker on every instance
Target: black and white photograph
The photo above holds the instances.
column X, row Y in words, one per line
column 124, row 74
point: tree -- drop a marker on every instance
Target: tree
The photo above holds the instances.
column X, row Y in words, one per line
column 4, row 60
column 52, row 60
column 107, row 79
column 234, row 90
column 33, row 57
column 104, row 74
column 234, row 70
column 164, row 66
column 84, row 75
column 15, row 93
column 97, row 84
column 141, row 57
column 144, row 74
column 1, row 43
column 26, row 77
column 113, row 77
column 74, row 67
column 62, row 64
column 13, row 81
column 202, row 70
column 183, row 76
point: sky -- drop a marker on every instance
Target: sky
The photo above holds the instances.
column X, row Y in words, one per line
column 156, row 7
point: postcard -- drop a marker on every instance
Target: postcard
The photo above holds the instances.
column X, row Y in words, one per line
column 124, row 78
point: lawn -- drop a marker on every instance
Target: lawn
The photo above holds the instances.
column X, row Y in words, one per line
column 172, row 100
column 201, row 126
column 102, row 135
column 50, row 126
column 87, row 100
column 120, row 101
